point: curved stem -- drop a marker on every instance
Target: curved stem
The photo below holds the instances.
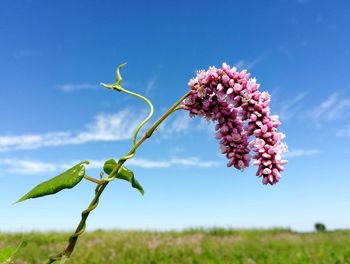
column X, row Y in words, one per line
column 180, row 107
column 147, row 118
column 100, row 188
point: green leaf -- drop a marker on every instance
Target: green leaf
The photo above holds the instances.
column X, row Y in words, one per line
column 137, row 185
column 66, row 180
column 124, row 174
column 6, row 254
column 109, row 166
column 119, row 78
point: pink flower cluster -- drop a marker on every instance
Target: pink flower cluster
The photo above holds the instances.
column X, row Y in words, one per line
column 232, row 99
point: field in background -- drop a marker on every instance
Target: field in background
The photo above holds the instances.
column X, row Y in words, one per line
column 190, row 246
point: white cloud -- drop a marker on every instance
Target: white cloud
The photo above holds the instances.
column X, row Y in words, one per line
column 301, row 153
column 77, row 87
column 151, row 83
column 290, row 108
column 249, row 64
column 29, row 167
column 255, row 62
column 181, row 123
column 191, row 162
column 323, row 109
column 105, row 127
column 240, row 64
column 19, row 166
column 334, row 107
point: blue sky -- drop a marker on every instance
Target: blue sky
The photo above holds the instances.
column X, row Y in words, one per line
column 53, row 113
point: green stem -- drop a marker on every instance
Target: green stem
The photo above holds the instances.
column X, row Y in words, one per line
column 147, row 118
column 180, row 107
column 117, row 87
column 92, row 179
column 100, row 188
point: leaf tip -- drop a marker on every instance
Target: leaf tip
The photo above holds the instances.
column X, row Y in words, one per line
column 121, row 66
column 108, row 86
column 20, row 200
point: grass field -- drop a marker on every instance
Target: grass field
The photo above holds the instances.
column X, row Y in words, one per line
column 191, row 246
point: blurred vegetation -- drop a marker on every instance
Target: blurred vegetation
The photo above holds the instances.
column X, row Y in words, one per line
column 215, row 245
column 319, row 227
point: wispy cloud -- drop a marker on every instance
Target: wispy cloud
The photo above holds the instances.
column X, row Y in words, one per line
column 290, row 108
column 29, row 167
column 181, row 124
column 151, row 83
column 190, row 162
column 301, row 153
column 334, row 107
column 19, row 166
column 240, row 64
column 256, row 61
column 249, row 64
column 68, row 87
column 105, row 127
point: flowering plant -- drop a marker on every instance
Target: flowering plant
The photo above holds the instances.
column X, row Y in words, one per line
column 233, row 100
column 223, row 95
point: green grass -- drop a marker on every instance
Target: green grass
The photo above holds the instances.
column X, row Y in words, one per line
column 190, row 246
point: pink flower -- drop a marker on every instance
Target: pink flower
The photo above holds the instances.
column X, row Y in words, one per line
column 232, row 99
